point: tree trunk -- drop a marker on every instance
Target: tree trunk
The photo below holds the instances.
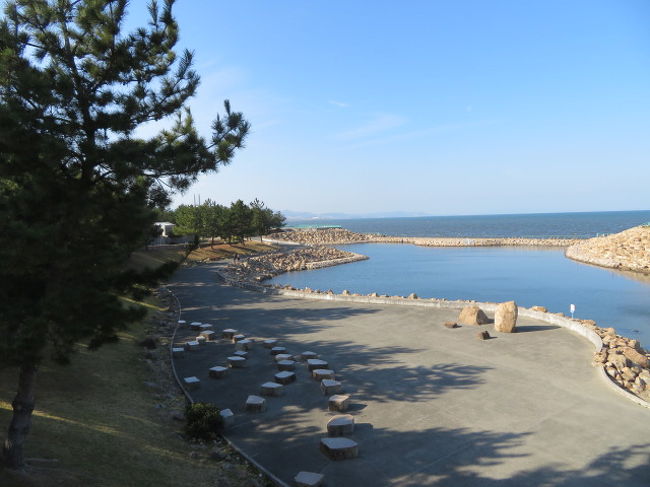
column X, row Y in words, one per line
column 23, row 405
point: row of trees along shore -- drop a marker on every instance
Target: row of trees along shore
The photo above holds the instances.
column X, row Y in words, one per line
column 234, row 222
column 78, row 185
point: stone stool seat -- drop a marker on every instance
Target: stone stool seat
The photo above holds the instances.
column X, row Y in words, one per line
column 181, row 323
column 308, row 479
column 227, row 416
column 191, row 345
column 255, row 404
column 208, row 334
column 244, row 344
column 178, row 352
column 320, row 374
column 339, row 448
column 201, row 339
column 271, row 389
column 195, row 325
column 286, row 365
column 308, row 355
column 269, row 343
column 282, row 356
column 236, row 361
column 340, row 425
column 278, row 350
column 238, row 338
column 191, row 383
column 330, row 386
column 285, row 377
column 240, row 353
column 217, row 372
column 228, row 333
column 338, row 402
column 314, row 363
column 205, row 326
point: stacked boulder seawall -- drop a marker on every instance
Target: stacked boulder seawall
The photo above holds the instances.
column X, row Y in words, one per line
column 333, row 236
column 627, row 250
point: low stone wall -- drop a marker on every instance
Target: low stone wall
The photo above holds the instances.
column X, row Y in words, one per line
column 585, row 328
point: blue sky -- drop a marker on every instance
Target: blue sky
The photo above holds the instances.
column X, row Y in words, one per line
column 441, row 108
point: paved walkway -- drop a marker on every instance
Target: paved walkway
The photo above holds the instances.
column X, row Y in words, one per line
column 432, row 406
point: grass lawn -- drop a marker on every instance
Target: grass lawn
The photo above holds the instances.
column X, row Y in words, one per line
column 228, row 251
column 107, row 420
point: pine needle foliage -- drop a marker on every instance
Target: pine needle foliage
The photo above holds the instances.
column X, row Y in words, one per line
column 78, row 188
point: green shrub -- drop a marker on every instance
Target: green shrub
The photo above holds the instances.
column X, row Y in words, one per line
column 203, row 421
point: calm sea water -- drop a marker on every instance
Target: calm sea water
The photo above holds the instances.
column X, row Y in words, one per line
column 538, row 276
column 567, row 225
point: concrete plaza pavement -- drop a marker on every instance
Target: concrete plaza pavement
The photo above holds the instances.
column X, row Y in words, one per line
column 432, row 406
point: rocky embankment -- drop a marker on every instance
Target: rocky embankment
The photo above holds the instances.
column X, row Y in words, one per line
column 628, row 250
column 324, row 236
column 332, row 236
column 256, row 269
column 625, row 362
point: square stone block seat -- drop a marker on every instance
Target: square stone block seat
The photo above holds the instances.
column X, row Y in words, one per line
column 308, row 355
column 217, row 372
column 285, row 377
column 308, row 479
column 269, row 343
column 255, row 404
column 278, row 350
column 320, row 374
column 191, row 345
column 240, row 353
column 339, row 448
column 205, row 326
column 330, row 386
column 201, row 339
column 340, row 425
column 228, row 333
column 238, row 338
column 338, row 402
column 314, row 363
column 286, row 365
column 244, row 344
column 181, row 323
column 208, row 334
column 282, row 356
column 191, row 383
column 195, row 325
column 227, row 416
column 236, row 362
column 271, row 389
column 178, row 352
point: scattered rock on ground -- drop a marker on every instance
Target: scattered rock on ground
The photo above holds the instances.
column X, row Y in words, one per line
column 472, row 315
column 505, row 317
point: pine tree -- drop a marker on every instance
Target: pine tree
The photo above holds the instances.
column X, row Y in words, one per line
column 77, row 187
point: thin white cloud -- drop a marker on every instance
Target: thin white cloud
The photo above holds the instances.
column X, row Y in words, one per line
column 428, row 131
column 338, row 103
column 380, row 123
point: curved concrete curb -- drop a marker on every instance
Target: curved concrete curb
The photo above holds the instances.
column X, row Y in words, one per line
column 561, row 321
column 189, row 397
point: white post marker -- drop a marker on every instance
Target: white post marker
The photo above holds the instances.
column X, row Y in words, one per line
column 572, row 308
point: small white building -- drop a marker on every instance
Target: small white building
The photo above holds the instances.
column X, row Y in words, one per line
column 166, row 227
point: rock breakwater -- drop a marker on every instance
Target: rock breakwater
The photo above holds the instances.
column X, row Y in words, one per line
column 627, row 250
column 259, row 268
column 333, row 236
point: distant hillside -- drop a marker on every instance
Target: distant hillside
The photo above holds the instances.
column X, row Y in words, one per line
column 305, row 215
